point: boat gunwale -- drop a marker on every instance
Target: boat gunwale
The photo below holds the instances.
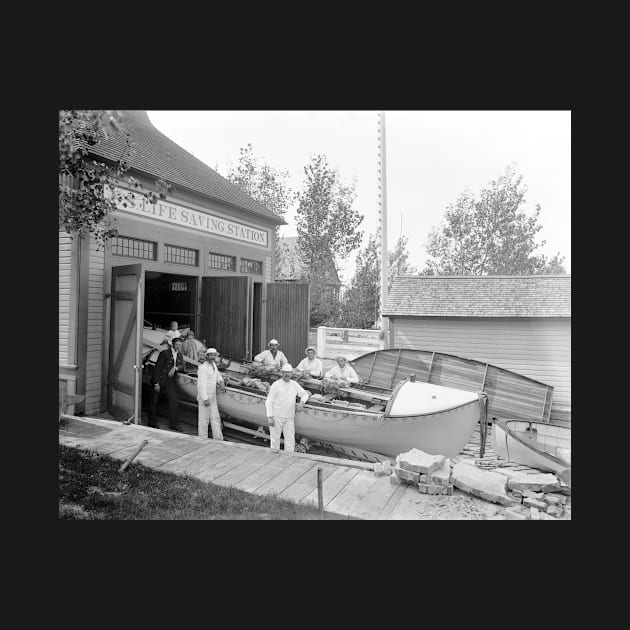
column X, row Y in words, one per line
column 513, row 434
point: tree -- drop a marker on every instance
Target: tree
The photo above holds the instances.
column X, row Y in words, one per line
column 489, row 235
column 265, row 184
column 88, row 188
column 360, row 306
column 398, row 261
column 327, row 226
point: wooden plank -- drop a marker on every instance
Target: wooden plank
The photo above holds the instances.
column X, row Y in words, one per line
column 288, row 476
column 392, row 502
column 254, row 480
column 333, row 485
column 236, row 457
column 192, row 463
column 371, row 369
column 430, row 367
column 391, row 384
column 307, row 482
column 364, row 497
column 249, row 466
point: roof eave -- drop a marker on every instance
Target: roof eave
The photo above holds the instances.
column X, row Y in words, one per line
column 272, row 219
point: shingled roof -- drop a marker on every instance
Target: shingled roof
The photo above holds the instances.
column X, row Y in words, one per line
column 292, row 267
column 480, row 296
column 157, row 155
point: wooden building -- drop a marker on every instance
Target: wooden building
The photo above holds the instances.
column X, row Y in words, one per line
column 291, row 268
column 204, row 257
column 521, row 323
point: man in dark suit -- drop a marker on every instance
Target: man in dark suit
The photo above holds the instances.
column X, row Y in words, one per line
column 168, row 363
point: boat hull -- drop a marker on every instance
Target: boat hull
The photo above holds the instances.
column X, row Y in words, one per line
column 439, row 433
column 539, row 445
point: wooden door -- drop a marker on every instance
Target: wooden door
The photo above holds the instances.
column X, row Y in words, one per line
column 225, row 320
column 125, row 345
column 287, row 318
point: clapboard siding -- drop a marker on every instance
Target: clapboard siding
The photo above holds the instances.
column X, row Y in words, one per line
column 536, row 347
column 94, row 348
column 65, row 297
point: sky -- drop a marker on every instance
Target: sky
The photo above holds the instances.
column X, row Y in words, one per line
column 431, row 158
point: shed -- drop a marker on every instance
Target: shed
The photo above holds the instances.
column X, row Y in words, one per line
column 521, row 323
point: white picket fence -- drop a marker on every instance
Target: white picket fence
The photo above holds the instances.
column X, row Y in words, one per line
column 348, row 342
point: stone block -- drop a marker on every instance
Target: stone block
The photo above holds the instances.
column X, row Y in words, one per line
column 554, row 510
column 394, row 479
column 534, row 514
column 491, row 486
column 407, row 475
column 534, row 503
column 564, row 475
column 441, row 476
column 552, row 499
column 379, row 471
column 387, row 466
column 532, row 495
column 539, row 482
column 431, row 489
column 418, row 461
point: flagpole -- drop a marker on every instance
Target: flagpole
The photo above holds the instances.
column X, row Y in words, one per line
column 382, row 218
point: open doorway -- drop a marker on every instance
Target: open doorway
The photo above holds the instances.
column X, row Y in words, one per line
column 169, row 297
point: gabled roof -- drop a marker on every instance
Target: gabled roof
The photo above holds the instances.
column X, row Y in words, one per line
column 157, row 155
column 291, row 264
column 480, row 296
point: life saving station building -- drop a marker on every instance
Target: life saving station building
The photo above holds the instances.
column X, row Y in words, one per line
column 203, row 257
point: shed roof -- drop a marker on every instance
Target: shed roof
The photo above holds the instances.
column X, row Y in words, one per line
column 291, row 265
column 157, row 155
column 480, row 296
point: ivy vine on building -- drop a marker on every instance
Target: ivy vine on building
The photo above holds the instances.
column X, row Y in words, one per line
column 88, row 188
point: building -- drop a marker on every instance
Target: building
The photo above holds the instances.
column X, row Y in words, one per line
column 521, row 323
column 291, row 268
column 204, row 257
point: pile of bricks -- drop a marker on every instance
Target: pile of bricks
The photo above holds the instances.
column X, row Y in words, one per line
column 538, row 506
column 430, row 473
column 539, row 502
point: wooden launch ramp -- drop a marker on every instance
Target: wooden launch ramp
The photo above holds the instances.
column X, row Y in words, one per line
column 350, row 488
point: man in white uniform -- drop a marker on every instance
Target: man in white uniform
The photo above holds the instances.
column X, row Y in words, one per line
column 273, row 358
column 281, row 408
column 342, row 373
column 311, row 364
column 208, row 377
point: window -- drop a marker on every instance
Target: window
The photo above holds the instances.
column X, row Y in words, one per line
column 181, row 255
column 251, row 266
column 133, row 248
column 219, row 261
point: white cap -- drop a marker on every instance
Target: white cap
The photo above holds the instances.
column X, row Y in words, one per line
column 286, row 368
column 273, row 341
column 210, row 350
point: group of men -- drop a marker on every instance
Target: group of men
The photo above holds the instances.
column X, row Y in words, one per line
column 281, row 399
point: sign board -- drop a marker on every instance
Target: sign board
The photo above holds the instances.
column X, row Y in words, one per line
column 170, row 212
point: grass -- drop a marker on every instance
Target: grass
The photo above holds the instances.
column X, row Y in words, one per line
column 141, row 493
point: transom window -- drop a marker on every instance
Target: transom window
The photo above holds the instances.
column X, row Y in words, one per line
column 251, row 266
column 181, row 255
column 134, row 248
column 219, row 261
